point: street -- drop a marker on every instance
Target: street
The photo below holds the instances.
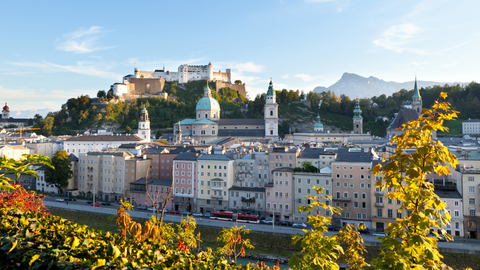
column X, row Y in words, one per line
column 460, row 245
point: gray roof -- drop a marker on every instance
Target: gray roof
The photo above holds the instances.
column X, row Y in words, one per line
column 241, row 121
column 447, row 193
column 214, row 157
column 72, row 157
column 106, row 138
column 155, row 150
column 187, row 156
column 403, row 116
column 153, row 181
column 471, row 120
column 314, row 152
column 13, row 120
column 252, row 189
column 241, row 132
column 183, row 149
column 110, row 153
column 353, row 156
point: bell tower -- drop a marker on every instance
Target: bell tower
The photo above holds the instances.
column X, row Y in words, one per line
column 144, row 125
column 357, row 119
column 271, row 113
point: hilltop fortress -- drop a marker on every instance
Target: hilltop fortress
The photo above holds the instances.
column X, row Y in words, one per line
column 153, row 82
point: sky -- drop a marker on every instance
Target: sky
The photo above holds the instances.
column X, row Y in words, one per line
column 55, row 50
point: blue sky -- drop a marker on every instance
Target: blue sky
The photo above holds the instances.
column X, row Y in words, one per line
column 55, row 50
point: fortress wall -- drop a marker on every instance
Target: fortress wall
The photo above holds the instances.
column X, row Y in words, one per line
column 139, row 86
column 237, row 87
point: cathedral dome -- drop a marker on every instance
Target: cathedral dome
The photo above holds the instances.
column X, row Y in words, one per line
column 318, row 124
column 5, row 108
column 208, row 103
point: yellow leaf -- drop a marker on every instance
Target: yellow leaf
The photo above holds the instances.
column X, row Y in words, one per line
column 34, row 258
column 100, row 262
column 13, row 246
column 75, row 242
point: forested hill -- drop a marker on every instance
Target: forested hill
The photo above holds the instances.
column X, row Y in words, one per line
column 83, row 112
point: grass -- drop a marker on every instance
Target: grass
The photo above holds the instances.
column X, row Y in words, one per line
column 278, row 245
column 454, row 126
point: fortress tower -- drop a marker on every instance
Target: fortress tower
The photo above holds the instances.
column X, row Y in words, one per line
column 271, row 113
column 357, row 119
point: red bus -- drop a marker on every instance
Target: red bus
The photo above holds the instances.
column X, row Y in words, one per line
column 222, row 216
column 230, row 216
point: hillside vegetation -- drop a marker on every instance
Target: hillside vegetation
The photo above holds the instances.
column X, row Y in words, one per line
column 335, row 111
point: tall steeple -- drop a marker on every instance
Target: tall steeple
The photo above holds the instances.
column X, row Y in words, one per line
column 271, row 113
column 144, row 125
column 357, row 119
column 417, row 103
column 179, row 134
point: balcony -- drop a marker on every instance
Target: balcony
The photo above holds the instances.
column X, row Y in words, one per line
column 217, row 197
column 468, row 170
column 248, row 200
column 378, row 193
column 342, row 199
column 378, row 204
column 216, row 188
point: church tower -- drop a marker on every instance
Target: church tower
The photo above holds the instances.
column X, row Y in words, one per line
column 5, row 111
column 144, row 125
column 357, row 119
column 179, row 134
column 417, row 104
column 318, row 127
column 271, row 113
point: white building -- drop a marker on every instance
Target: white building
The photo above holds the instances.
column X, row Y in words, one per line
column 471, row 127
column 84, row 144
column 14, row 151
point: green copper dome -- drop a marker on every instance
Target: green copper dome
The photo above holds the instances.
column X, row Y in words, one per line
column 357, row 113
column 270, row 91
column 208, row 102
column 318, row 124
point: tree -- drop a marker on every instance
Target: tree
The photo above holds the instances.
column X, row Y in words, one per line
column 162, row 141
column 61, row 172
column 158, row 134
column 407, row 244
column 128, row 130
column 101, row 94
column 48, row 125
column 234, row 244
column 238, row 82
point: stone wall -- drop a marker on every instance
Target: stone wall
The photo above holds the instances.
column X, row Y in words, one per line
column 139, row 86
column 240, row 88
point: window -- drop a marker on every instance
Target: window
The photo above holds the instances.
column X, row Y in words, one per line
column 390, row 213
column 355, row 204
column 399, row 214
column 338, row 184
column 457, row 213
column 364, row 205
column 364, row 195
column 355, row 195
column 472, row 212
column 471, row 201
column 456, row 203
column 345, row 194
column 471, row 179
column 379, row 212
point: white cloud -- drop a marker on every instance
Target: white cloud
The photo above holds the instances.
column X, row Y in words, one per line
column 397, row 37
column 81, row 41
column 80, row 68
column 307, row 77
column 449, row 65
column 248, row 67
column 420, row 63
column 286, row 76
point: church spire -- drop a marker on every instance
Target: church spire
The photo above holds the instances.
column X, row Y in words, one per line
column 416, row 94
column 207, row 92
column 357, row 113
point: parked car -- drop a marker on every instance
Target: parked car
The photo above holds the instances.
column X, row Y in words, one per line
column 197, row 214
column 67, row 199
column 284, row 223
column 142, row 207
column 268, row 220
column 380, row 234
column 332, row 228
column 59, row 200
column 173, row 212
column 299, row 225
column 151, row 209
column 185, row 213
column 207, row 215
column 96, row 204
column 90, row 202
column 106, row 203
column 366, row 230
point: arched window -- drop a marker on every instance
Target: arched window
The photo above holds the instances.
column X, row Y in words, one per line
column 206, row 115
column 213, row 132
column 271, row 113
column 198, row 115
column 183, row 190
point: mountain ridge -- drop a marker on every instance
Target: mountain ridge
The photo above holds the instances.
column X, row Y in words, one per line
column 351, row 85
